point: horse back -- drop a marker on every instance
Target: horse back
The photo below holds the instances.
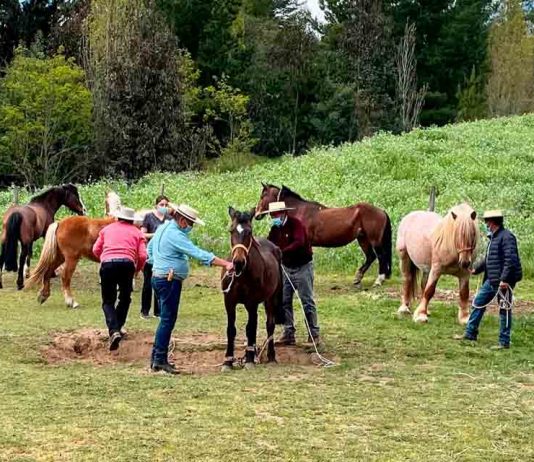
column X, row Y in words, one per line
column 31, row 228
column 415, row 236
column 77, row 235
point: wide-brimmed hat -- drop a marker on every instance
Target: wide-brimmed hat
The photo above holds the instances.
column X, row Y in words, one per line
column 275, row 207
column 493, row 214
column 126, row 213
column 187, row 212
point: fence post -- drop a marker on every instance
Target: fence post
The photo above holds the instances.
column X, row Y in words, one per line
column 162, row 190
column 15, row 194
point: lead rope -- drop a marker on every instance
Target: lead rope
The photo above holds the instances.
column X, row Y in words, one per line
column 325, row 362
column 506, row 303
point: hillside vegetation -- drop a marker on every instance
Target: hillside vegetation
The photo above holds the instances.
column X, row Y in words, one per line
column 488, row 163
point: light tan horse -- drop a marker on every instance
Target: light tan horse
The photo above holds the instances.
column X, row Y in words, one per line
column 433, row 245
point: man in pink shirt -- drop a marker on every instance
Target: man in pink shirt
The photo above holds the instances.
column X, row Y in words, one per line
column 121, row 249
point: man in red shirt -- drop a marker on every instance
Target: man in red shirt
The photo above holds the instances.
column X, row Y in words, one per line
column 289, row 234
column 121, row 249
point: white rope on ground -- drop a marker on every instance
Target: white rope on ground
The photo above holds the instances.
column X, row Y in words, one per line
column 325, row 362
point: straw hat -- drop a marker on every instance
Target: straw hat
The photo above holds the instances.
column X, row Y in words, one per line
column 493, row 214
column 187, row 212
column 126, row 213
column 275, row 207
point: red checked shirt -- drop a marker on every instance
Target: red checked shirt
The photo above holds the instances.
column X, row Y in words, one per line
column 121, row 240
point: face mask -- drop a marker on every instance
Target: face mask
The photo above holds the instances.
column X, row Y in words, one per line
column 277, row 222
column 163, row 210
column 187, row 229
column 488, row 229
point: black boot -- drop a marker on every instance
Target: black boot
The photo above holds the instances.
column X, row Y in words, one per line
column 168, row 368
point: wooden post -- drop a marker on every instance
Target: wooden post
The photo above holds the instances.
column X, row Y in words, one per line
column 162, row 191
column 15, row 194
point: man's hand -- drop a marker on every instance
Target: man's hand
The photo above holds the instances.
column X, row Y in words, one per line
column 504, row 285
column 229, row 266
column 471, row 270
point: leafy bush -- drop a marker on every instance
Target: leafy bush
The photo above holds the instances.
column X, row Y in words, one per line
column 489, row 163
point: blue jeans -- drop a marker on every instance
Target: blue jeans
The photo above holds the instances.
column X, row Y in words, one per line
column 302, row 279
column 168, row 293
column 485, row 295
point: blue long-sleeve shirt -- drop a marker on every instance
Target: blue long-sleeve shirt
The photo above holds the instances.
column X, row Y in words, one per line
column 171, row 248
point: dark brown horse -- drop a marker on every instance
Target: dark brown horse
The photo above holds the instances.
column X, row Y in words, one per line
column 337, row 227
column 29, row 222
column 257, row 278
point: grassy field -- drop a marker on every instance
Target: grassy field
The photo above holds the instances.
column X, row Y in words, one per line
column 489, row 163
column 400, row 392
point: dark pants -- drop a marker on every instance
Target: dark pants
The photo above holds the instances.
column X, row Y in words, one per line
column 116, row 274
column 302, row 280
column 146, row 295
column 168, row 293
column 484, row 296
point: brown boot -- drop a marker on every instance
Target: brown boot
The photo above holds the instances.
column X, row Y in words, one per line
column 286, row 339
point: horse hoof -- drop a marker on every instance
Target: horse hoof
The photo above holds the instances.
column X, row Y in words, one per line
column 463, row 321
column 404, row 311
column 249, row 365
column 20, row 286
column 41, row 299
column 357, row 285
column 420, row 318
column 226, row 368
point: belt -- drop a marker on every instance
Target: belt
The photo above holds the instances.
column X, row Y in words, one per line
column 119, row 260
column 176, row 277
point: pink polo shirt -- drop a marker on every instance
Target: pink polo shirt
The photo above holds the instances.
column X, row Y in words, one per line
column 121, row 240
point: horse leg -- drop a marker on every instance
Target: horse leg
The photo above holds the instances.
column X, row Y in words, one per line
column 463, row 312
column 28, row 260
column 2, row 260
column 370, row 257
column 407, row 283
column 44, row 293
column 66, row 277
column 421, row 313
column 230, row 336
column 252, row 329
column 382, row 266
column 22, row 263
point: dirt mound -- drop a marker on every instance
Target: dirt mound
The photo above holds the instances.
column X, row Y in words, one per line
column 198, row 353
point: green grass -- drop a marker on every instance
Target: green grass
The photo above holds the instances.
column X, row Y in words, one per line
column 401, row 392
column 490, row 163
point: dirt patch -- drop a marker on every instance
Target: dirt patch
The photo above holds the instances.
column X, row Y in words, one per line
column 198, row 353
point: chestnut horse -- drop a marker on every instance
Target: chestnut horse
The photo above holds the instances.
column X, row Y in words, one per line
column 29, row 222
column 66, row 242
column 337, row 227
column 433, row 245
column 257, row 278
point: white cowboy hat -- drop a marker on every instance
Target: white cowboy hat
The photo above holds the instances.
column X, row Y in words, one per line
column 275, row 207
column 188, row 212
column 493, row 214
column 126, row 213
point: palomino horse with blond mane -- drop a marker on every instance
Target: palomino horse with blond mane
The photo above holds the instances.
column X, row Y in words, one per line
column 66, row 242
column 433, row 245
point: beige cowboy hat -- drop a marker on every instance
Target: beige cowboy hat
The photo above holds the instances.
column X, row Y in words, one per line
column 187, row 212
column 126, row 213
column 275, row 207
column 493, row 214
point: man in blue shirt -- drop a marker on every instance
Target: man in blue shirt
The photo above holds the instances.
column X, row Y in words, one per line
column 169, row 252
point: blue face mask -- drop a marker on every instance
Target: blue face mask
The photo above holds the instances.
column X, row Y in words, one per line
column 278, row 222
column 488, row 229
column 163, row 210
column 187, row 229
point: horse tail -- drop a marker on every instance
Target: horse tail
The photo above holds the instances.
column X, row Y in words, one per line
column 13, row 226
column 414, row 272
column 47, row 258
column 387, row 246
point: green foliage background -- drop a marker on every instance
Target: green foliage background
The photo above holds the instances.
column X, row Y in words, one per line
column 489, row 163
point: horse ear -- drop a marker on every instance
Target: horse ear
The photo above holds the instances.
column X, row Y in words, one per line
column 473, row 215
column 454, row 216
column 264, row 185
column 231, row 212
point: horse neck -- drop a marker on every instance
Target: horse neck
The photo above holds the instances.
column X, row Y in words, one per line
column 51, row 201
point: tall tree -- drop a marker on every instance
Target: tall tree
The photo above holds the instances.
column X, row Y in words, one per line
column 136, row 85
column 510, row 86
column 10, row 17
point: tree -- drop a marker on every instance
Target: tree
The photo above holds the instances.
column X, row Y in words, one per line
column 137, row 92
column 10, row 15
column 472, row 103
column 510, row 86
column 45, row 120
column 410, row 97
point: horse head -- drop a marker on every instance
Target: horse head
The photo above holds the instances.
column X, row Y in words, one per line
column 460, row 233
column 113, row 203
column 72, row 199
column 270, row 193
column 241, row 237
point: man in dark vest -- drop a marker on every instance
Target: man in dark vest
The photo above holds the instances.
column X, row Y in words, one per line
column 502, row 271
column 289, row 234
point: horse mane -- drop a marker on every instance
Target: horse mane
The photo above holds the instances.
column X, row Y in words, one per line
column 286, row 192
column 457, row 233
column 42, row 195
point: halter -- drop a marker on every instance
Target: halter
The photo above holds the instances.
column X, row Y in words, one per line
column 247, row 251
